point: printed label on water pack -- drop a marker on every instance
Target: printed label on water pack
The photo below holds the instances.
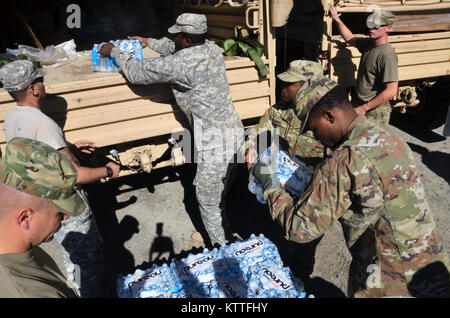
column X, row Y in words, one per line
column 251, row 268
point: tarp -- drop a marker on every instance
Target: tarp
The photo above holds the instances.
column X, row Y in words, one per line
column 280, row 10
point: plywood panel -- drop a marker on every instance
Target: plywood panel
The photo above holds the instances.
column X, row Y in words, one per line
column 79, row 76
column 426, row 70
column 399, row 47
column 118, row 112
column 419, row 55
column 149, row 127
column 111, row 133
column 356, row 6
column 346, row 64
column 418, row 37
column 249, row 90
column 347, row 79
column 101, row 115
column 404, row 37
column 121, row 93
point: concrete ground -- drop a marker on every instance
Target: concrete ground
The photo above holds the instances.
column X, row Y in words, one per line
column 146, row 219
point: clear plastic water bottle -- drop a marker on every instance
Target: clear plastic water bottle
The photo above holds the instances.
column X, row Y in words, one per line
column 199, row 267
column 108, row 64
column 256, row 188
column 271, row 281
column 254, row 250
column 294, row 175
column 249, row 268
column 132, row 285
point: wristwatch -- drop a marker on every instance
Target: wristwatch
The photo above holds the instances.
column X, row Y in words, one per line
column 109, row 171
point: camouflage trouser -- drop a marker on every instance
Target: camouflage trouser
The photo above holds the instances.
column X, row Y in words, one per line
column 212, row 183
column 82, row 253
column 380, row 114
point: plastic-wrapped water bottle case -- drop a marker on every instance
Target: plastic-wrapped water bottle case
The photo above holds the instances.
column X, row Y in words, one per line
column 244, row 269
column 102, row 63
column 294, row 175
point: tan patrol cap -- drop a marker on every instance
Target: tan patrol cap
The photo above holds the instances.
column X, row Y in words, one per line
column 380, row 18
column 36, row 168
column 301, row 70
column 314, row 93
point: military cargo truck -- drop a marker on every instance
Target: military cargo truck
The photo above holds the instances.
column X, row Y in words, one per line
column 420, row 37
column 137, row 121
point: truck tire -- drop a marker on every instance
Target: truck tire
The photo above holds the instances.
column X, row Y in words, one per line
column 431, row 111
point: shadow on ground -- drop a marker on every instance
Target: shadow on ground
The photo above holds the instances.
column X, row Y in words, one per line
column 436, row 161
column 424, row 136
column 246, row 215
column 104, row 204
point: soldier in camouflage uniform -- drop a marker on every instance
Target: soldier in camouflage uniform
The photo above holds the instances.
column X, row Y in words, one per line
column 282, row 118
column 195, row 69
column 371, row 185
column 377, row 79
column 299, row 89
column 79, row 235
column 36, row 194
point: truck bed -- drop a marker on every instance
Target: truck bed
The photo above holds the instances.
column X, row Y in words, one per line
column 421, row 55
column 103, row 107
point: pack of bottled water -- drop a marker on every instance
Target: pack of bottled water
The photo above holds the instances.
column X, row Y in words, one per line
column 230, row 285
column 202, row 266
column 102, row 63
column 266, row 280
column 294, row 175
column 244, row 269
column 148, row 283
column 249, row 252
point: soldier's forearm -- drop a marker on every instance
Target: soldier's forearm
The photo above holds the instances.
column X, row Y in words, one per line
column 121, row 58
column 85, row 174
column 299, row 224
column 69, row 155
column 132, row 69
column 282, row 209
column 387, row 94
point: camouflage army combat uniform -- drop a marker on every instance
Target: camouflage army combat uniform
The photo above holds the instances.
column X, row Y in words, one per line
column 79, row 235
column 200, row 86
column 282, row 118
column 370, row 183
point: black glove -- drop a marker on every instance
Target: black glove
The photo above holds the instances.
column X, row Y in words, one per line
column 265, row 174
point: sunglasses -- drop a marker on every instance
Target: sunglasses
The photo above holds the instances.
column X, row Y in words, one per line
column 376, row 28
